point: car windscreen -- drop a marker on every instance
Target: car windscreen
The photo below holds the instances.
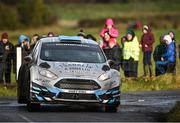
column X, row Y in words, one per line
column 63, row 52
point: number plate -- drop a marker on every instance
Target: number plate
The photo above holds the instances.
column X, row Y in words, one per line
column 77, row 91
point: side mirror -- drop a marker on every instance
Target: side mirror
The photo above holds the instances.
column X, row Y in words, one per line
column 105, row 68
column 44, row 65
column 28, row 58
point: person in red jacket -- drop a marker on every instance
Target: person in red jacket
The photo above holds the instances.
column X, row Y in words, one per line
column 146, row 43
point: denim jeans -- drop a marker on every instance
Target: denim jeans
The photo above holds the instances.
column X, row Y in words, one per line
column 160, row 65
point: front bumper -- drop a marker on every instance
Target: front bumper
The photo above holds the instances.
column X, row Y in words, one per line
column 41, row 94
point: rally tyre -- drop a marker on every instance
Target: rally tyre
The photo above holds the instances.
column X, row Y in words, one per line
column 32, row 107
column 111, row 108
column 22, row 98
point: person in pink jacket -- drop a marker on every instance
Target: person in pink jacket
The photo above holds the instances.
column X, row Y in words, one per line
column 112, row 31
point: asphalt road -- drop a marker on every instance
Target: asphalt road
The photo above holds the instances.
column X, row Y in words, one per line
column 136, row 107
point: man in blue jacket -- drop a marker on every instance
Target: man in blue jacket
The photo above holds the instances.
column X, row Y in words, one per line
column 168, row 58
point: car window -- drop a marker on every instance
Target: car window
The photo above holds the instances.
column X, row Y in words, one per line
column 35, row 51
column 72, row 53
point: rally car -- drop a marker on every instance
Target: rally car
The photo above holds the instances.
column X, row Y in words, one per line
column 65, row 70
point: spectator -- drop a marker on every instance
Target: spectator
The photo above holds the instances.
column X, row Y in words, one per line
column 146, row 43
column 131, row 55
column 123, row 39
column 34, row 40
column 158, row 52
column 172, row 35
column 6, row 59
column 112, row 31
column 179, row 50
column 89, row 36
column 112, row 51
column 105, row 44
column 168, row 58
column 115, row 55
column 50, row 34
column 81, row 33
column 23, row 42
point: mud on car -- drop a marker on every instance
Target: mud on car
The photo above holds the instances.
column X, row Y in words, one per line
column 65, row 70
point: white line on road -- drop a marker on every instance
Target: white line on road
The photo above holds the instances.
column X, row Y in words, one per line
column 25, row 118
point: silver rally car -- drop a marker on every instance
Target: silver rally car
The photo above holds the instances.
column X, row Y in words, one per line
column 65, row 70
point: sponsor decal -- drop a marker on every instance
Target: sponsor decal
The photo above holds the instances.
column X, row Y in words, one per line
column 77, row 68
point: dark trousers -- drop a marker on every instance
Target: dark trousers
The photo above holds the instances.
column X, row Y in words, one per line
column 5, row 71
column 147, row 58
column 147, row 64
column 130, row 68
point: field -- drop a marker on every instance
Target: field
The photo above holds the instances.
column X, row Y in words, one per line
column 96, row 11
column 70, row 14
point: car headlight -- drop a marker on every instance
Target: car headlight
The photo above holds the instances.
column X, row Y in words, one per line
column 48, row 74
column 104, row 77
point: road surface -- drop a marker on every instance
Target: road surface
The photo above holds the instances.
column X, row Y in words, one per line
column 136, row 107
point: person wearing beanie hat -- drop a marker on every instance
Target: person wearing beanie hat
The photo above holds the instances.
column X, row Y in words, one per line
column 145, row 27
column 23, row 38
column 50, row 34
column 130, row 54
column 167, row 39
column 130, row 35
column 146, row 43
column 4, row 36
column 168, row 59
column 24, row 44
column 6, row 58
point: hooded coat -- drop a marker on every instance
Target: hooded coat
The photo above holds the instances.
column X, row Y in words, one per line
column 169, row 55
column 113, row 32
column 131, row 49
column 147, row 39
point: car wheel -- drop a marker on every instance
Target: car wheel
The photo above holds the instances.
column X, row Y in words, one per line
column 21, row 96
column 111, row 108
column 31, row 107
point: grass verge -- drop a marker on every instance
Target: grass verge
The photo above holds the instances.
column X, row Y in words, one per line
column 164, row 82
column 174, row 114
column 8, row 91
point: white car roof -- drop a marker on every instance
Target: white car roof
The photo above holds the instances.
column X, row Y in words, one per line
column 69, row 38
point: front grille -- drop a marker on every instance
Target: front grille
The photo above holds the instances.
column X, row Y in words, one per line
column 77, row 96
column 77, row 84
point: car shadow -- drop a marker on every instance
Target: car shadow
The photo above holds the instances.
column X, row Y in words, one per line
column 64, row 108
